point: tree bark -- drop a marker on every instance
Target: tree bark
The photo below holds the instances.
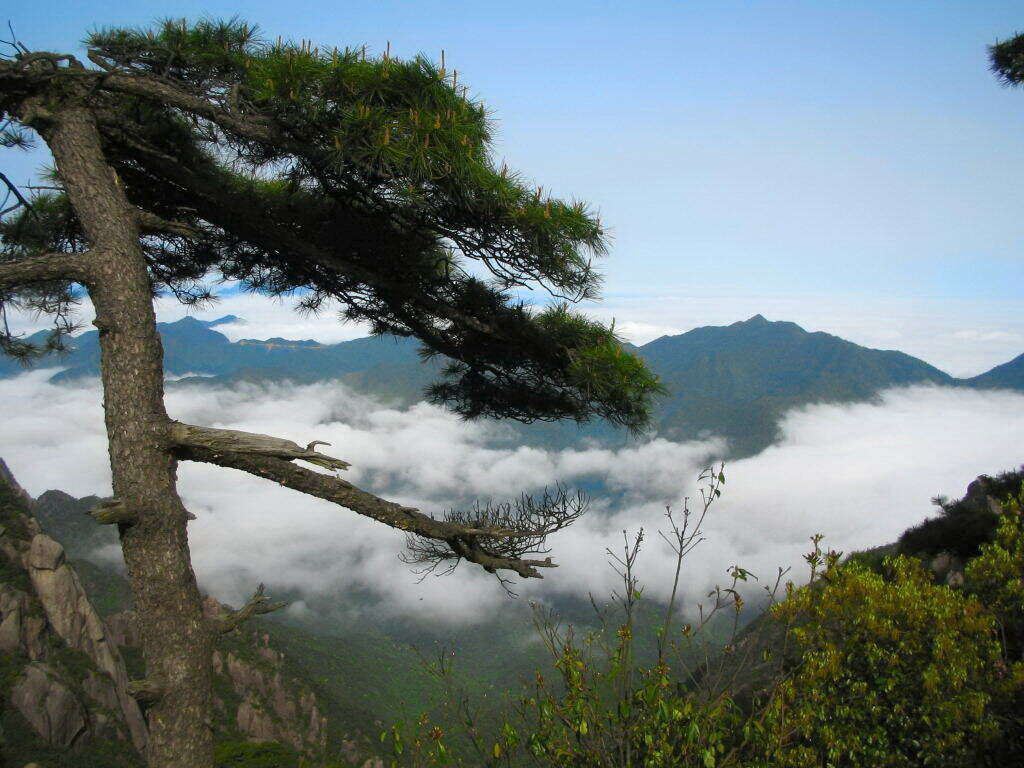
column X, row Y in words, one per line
column 176, row 640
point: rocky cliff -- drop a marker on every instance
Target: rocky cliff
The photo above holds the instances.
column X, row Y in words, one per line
column 68, row 647
column 63, row 685
column 256, row 697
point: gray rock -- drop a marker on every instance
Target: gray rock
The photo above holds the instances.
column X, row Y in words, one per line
column 49, row 706
column 45, row 553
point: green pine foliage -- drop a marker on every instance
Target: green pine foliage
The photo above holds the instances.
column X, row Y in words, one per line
column 1007, row 60
column 363, row 179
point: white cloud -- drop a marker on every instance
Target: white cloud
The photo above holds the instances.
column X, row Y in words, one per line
column 859, row 473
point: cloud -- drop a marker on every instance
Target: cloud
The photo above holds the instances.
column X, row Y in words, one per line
column 859, row 474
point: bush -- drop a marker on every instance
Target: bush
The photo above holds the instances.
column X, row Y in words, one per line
column 996, row 578
column 892, row 672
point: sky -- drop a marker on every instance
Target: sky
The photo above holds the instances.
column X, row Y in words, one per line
column 852, row 167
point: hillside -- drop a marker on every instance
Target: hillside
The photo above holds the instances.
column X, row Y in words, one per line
column 1006, row 376
column 735, row 381
column 64, row 683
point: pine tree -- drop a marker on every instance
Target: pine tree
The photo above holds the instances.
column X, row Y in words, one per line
column 191, row 151
column 1006, row 59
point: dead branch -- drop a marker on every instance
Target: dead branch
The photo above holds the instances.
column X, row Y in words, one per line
column 146, row 692
column 252, row 443
column 113, row 511
column 258, row 605
column 464, row 541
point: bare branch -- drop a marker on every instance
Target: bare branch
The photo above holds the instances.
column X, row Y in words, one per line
column 249, row 442
column 44, row 267
column 510, row 529
column 258, row 605
column 146, row 692
column 12, row 189
column 463, row 541
column 116, row 512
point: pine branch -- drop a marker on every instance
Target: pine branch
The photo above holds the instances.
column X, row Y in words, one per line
column 44, row 267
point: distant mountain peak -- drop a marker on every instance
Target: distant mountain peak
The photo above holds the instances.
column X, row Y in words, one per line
column 756, row 320
column 190, row 320
column 225, row 320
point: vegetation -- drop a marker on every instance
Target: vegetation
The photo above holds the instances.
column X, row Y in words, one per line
column 857, row 669
column 964, row 525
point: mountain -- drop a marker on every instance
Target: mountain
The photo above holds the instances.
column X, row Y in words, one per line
column 739, row 380
column 192, row 347
column 735, row 381
column 1006, row 376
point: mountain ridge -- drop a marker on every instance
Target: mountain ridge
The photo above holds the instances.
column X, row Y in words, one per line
column 736, row 381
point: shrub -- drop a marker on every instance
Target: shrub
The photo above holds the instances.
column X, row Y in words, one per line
column 996, row 577
column 892, row 671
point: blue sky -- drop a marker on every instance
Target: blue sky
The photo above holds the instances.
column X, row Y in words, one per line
column 805, row 155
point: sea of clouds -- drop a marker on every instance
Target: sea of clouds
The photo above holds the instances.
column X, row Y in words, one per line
column 860, row 474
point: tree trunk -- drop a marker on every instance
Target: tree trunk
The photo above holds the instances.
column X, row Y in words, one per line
column 177, row 641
